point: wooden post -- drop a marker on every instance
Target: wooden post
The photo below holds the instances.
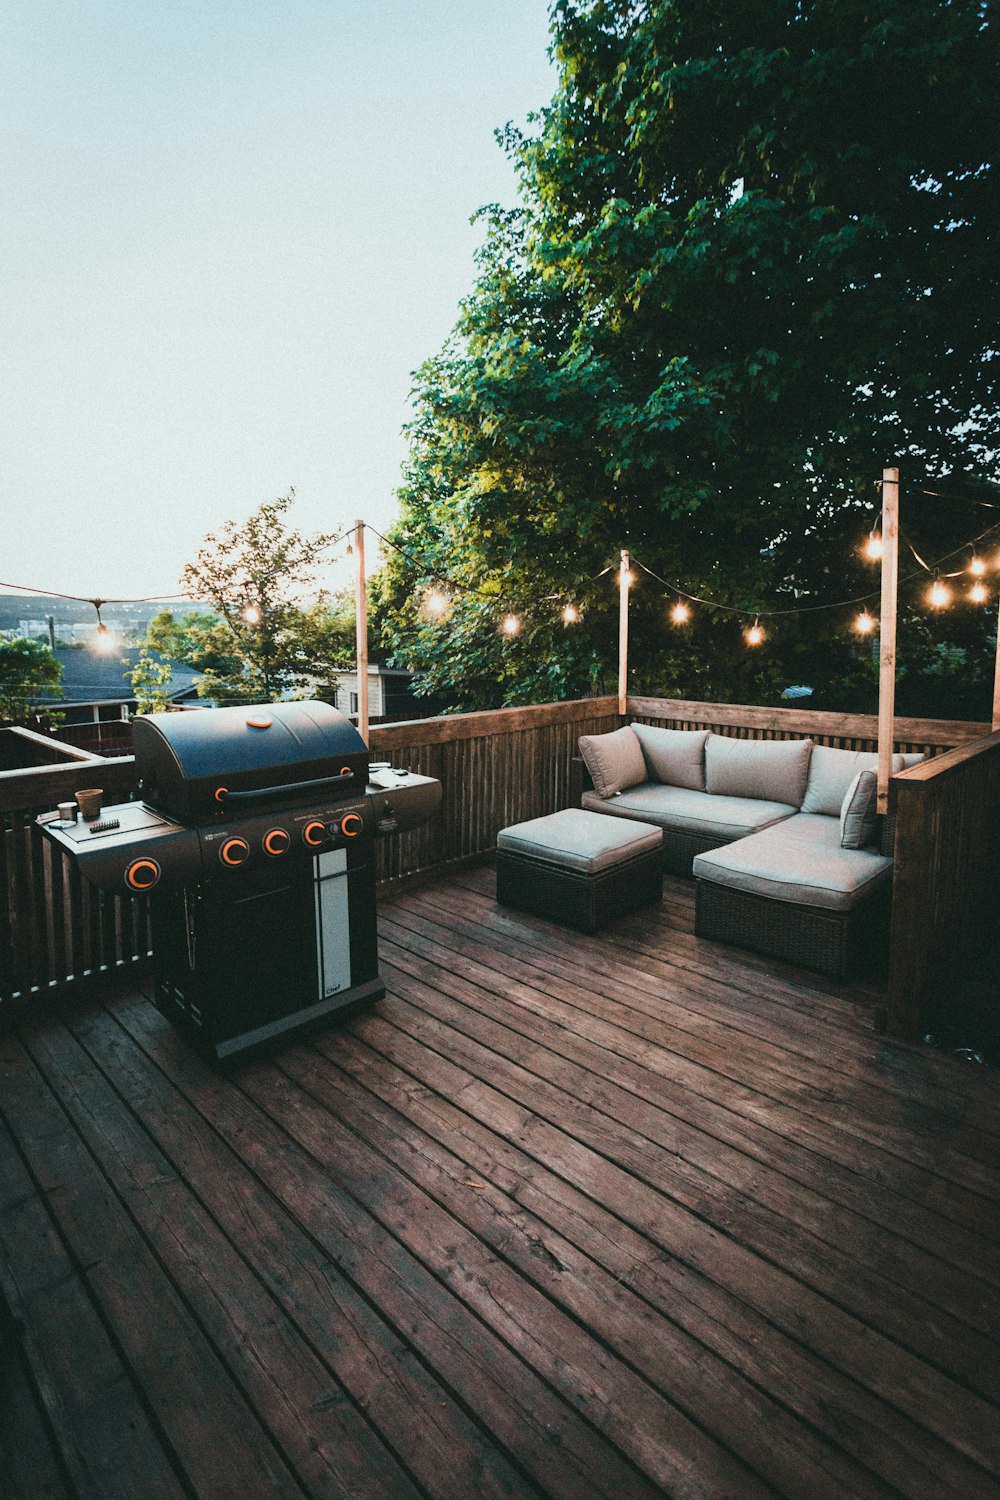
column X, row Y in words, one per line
column 361, row 623
column 887, row 632
column 996, row 679
column 623, row 580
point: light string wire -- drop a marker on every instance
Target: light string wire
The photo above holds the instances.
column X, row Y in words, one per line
column 675, row 588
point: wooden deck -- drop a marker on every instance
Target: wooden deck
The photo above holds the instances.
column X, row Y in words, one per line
column 599, row 1219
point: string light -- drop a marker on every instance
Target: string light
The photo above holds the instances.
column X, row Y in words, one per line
column 939, row 594
column 978, row 593
column 510, row 625
column 865, row 623
column 977, row 565
column 754, row 635
column 680, row 612
column 570, row 614
column 252, row 614
column 873, row 546
column 435, row 603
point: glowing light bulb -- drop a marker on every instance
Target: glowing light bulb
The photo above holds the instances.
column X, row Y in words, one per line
column 873, row 546
column 939, row 594
column 680, row 612
column 754, row 636
column 435, row 603
column 978, row 593
column 510, row 625
column 865, row 623
column 570, row 614
column 626, row 577
column 252, row 614
column 977, row 567
column 104, row 642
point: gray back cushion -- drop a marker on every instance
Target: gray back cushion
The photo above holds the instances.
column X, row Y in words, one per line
column 674, row 756
column 832, row 771
column 859, row 811
column 770, row 770
column 615, row 761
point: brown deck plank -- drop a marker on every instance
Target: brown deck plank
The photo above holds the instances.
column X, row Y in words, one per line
column 645, row 1101
column 779, row 1447
column 490, row 1133
column 159, row 1340
column 506, row 1397
column 717, row 988
column 824, row 1180
column 321, row 1433
column 598, row 1151
column 100, row 1428
column 838, row 1103
column 625, row 1215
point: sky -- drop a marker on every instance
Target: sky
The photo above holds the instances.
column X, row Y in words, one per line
column 231, row 231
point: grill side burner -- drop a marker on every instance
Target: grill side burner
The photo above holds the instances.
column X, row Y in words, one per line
column 255, row 846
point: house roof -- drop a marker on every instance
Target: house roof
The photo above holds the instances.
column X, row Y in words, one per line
column 91, row 678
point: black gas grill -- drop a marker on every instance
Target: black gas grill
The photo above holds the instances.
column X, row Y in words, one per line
column 255, row 844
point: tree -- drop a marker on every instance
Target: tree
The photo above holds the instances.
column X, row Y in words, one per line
column 752, row 264
column 262, row 641
column 27, row 668
column 150, row 681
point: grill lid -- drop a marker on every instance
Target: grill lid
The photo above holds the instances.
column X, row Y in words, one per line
column 198, row 764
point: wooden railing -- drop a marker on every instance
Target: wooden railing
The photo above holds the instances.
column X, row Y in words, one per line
column 55, row 927
column 505, row 766
column 495, row 769
column 843, row 731
column 945, row 919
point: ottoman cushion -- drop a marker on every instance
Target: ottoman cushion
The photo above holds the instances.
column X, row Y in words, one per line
column 578, row 840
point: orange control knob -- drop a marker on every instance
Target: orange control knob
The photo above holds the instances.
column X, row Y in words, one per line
column 142, row 874
column 314, row 834
column 276, row 841
column 234, row 851
column 351, row 825
column 221, row 793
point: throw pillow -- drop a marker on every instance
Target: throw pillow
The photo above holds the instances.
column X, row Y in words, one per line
column 615, row 761
column 859, row 812
column 674, row 756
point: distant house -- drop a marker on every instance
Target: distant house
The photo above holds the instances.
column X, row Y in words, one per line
column 97, row 689
column 390, row 694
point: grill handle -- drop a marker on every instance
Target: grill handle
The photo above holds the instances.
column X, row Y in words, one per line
column 293, row 789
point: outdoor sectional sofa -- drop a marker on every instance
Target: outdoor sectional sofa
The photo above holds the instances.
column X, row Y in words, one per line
column 781, row 836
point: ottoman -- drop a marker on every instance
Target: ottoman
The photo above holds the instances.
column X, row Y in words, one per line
column 579, row 868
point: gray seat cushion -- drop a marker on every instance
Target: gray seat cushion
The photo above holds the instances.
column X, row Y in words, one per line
column 577, row 840
column 798, row 861
column 680, row 810
column 770, row 770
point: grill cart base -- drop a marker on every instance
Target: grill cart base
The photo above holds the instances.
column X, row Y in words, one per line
column 238, row 968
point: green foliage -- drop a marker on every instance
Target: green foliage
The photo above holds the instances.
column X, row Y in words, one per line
column 150, row 682
column 27, row 668
column 752, row 265
column 263, row 566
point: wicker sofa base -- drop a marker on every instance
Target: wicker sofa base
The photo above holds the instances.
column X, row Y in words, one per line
column 584, row 902
column 839, row 944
